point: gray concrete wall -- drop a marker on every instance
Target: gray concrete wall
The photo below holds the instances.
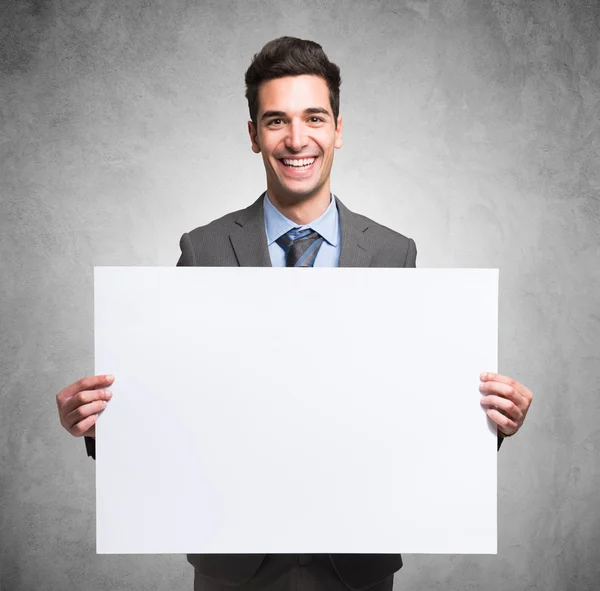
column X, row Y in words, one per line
column 471, row 126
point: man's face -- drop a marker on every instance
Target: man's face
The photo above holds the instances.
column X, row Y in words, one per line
column 296, row 134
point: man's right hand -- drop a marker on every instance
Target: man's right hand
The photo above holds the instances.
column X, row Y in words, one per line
column 80, row 404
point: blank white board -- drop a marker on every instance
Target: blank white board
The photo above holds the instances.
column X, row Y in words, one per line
column 276, row 410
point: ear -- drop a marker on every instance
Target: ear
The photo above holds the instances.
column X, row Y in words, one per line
column 338, row 133
column 253, row 137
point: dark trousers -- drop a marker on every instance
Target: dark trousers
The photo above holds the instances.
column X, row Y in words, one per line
column 290, row 572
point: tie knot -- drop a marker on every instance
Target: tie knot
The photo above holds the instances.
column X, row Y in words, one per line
column 301, row 247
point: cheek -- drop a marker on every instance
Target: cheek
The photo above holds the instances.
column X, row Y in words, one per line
column 328, row 153
column 327, row 146
column 266, row 160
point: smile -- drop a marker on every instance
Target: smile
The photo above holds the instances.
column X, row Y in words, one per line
column 299, row 164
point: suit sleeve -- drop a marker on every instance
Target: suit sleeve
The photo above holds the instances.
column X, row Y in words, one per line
column 411, row 255
column 90, row 446
column 187, row 259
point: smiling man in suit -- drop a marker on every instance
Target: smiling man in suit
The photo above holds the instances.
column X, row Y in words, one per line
column 293, row 97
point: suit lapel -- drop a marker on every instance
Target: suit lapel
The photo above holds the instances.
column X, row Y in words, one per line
column 249, row 239
column 354, row 252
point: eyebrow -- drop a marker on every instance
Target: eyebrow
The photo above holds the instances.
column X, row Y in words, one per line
column 309, row 111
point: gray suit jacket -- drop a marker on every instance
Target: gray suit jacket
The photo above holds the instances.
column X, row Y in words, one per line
column 239, row 239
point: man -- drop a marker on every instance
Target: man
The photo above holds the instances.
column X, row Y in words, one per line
column 293, row 96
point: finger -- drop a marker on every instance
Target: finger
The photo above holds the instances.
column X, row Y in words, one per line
column 505, row 425
column 496, row 377
column 506, row 406
column 87, row 383
column 84, row 426
column 84, row 411
column 504, row 390
column 91, row 432
column 82, row 398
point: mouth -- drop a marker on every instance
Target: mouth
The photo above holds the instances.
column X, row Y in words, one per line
column 297, row 165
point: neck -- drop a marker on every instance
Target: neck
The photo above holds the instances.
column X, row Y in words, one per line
column 302, row 210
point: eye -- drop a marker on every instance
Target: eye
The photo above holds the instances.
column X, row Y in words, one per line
column 275, row 121
column 317, row 120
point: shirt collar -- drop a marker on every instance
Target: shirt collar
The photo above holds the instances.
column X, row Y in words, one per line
column 276, row 224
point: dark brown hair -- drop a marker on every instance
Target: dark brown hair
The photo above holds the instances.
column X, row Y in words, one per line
column 290, row 56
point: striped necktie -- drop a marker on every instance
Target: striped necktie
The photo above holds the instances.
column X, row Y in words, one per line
column 301, row 247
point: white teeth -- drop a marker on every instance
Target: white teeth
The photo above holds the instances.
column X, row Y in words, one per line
column 298, row 162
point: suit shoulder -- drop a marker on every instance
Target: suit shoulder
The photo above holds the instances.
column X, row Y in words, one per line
column 209, row 245
column 388, row 247
column 380, row 233
column 219, row 227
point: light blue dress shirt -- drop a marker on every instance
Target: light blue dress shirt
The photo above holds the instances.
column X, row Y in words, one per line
column 328, row 226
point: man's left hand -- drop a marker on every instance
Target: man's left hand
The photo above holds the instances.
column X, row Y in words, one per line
column 505, row 400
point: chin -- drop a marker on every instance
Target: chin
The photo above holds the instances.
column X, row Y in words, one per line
column 297, row 196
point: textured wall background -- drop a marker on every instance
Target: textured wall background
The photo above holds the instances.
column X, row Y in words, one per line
column 471, row 126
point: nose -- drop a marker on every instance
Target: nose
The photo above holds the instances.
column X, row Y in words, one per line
column 296, row 138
